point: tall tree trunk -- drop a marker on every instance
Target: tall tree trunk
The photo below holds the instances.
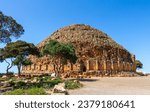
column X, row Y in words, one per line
column 9, row 66
column 57, row 70
column 19, row 70
column 62, row 68
column 71, row 66
column 54, row 68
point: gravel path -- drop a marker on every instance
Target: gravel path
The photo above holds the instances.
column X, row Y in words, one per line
column 114, row 86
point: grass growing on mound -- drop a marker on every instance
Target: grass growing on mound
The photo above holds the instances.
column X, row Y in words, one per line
column 31, row 91
column 15, row 92
column 72, row 84
column 32, row 88
column 37, row 85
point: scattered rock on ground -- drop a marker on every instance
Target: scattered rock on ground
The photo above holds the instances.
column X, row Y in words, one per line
column 34, row 80
column 27, row 81
column 4, row 76
column 60, row 88
column 53, row 75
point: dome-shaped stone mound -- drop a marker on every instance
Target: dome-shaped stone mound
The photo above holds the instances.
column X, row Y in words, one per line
column 82, row 34
column 96, row 51
column 87, row 41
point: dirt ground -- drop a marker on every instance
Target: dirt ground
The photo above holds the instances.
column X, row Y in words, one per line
column 114, row 86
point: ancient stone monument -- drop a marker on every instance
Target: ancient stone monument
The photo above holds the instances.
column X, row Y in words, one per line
column 97, row 53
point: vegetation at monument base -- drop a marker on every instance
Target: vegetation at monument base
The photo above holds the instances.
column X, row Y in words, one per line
column 30, row 91
column 35, row 85
column 60, row 54
column 139, row 64
column 72, row 84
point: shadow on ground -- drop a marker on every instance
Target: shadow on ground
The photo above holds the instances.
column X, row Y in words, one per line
column 87, row 80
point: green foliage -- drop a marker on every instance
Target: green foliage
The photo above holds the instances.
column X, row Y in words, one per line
column 51, row 48
column 139, row 64
column 43, row 78
column 60, row 54
column 65, row 51
column 18, row 52
column 8, row 28
column 15, row 92
column 35, row 91
column 39, row 84
column 26, row 62
column 72, row 84
column 12, row 83
column 37, row 88
column 30, row 91
column 44, row 84
column 19, row 47
column 20, row 60
column 1, row 55
column 55, row 82
column 20, row 85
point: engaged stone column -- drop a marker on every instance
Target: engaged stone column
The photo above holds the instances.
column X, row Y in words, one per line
column 34, row 67
column 124, row 68
column 104, row 65
column 121, row 66
column 87, row 65
column 40, row 67
column 96, row 65
column 130, row 65
column 118, row 67
column 112, row 65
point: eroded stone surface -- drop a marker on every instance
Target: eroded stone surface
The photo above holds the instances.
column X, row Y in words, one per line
column 97, row 54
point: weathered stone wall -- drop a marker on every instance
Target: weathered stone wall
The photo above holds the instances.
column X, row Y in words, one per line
column 107, row 66
column 103, row 63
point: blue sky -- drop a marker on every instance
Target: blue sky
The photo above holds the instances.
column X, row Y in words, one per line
column 126, row 21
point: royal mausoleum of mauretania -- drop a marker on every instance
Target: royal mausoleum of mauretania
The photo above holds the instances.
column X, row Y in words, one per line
column 96, row 52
